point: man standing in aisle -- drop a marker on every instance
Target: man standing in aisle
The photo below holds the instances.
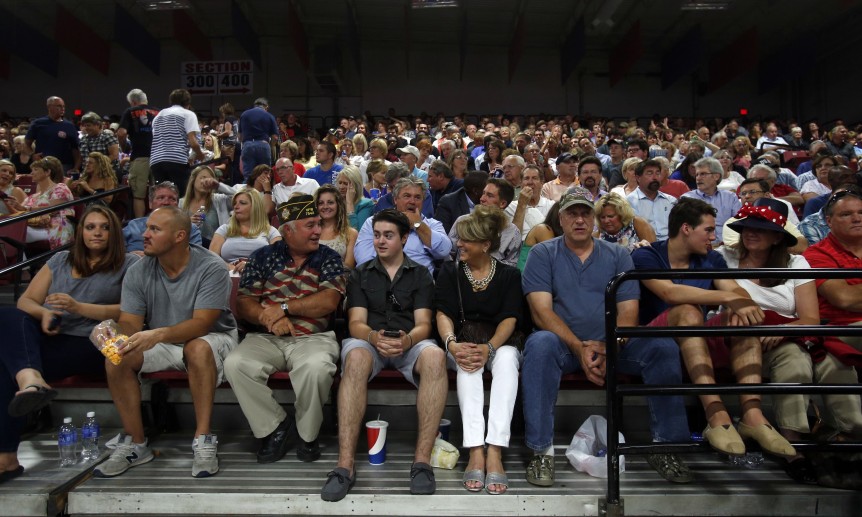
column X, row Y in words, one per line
column 258, row 133
column 175, row 132
column 136, row 125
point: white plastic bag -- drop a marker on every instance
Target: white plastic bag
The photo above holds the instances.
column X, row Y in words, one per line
column 591, row 438
column 444, row 455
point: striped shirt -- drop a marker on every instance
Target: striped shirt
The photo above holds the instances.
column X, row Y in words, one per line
column 271, row 275
column 171, row 128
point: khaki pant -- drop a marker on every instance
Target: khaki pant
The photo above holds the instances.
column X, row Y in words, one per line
column 789, row 362
column 311, row 363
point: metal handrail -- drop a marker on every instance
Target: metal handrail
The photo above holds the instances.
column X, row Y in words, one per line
column 616, row 393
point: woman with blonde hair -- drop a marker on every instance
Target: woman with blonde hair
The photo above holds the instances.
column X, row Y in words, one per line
column 618, row 223
column 205, row 192
column 336, row 231
column 479, row 309
column 246, row 231
column 359, row 208
column 360, row 149
column 628, row 171
column 7, row 181
column 98, row 176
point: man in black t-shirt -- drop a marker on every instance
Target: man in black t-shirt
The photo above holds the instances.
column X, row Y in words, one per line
column 136, row 129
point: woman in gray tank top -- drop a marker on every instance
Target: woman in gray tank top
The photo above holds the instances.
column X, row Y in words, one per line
column 46, row 336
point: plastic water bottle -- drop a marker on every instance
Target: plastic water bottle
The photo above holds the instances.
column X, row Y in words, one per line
column 202, row 213
column 67, row 442
column 90, row 438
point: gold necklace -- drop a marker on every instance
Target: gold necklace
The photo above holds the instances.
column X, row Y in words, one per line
column 479, row 285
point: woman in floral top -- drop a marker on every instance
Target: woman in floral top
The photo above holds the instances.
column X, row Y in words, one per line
column 56, row 227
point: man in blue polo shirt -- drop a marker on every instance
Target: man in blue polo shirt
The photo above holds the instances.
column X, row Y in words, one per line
column 258, row 133
column 55, row 136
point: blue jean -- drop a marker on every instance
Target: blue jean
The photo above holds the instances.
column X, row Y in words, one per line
column 547, row 359
column 253, row 154
column 25, row 346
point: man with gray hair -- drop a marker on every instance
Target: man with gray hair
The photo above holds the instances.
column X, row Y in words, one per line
column 766, row 171
column 162, row 194
column 708, row 173
column 427, row 241
column 258, row 133
column 395, row 172
column 441, row 181
column 513, row 167
column 288, row 292
column 136, row 127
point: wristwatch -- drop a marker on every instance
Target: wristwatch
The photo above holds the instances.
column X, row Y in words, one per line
column 285, row 309
column 491, row 352
column 417, row 224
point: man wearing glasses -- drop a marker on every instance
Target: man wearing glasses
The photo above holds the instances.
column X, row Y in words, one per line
column 708, row 172
column 289, row 184
column 389, row 309
column 751, row 190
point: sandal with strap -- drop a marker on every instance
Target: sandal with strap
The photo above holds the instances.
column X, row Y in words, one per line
column 474, row 475
column 496, row 478
column 28, row 401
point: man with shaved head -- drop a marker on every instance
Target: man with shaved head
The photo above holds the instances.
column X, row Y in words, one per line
column 55, row 136
column 179, row 292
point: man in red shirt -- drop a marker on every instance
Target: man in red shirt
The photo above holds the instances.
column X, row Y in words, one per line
column 841, row 299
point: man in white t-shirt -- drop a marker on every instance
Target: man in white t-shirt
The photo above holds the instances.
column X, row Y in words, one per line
column 288, row 185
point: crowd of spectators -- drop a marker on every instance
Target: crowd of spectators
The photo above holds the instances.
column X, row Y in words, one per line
column 376, row 209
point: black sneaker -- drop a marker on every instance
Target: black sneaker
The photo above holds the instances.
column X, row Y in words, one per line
column 308, row 451
column 670, row 467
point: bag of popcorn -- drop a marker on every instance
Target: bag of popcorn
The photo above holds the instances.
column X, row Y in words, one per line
column 107, row 338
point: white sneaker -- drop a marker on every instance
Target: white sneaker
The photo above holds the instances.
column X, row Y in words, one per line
column 125, row 456
column 205, row 448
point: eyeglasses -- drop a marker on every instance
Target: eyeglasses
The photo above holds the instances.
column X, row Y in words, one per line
column 746, row 193
column 390, row 297
column 700, row 174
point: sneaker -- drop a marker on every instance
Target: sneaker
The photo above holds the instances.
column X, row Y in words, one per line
column 540, row 471
column 125, row 456
column 205, row 448
column 670, row 467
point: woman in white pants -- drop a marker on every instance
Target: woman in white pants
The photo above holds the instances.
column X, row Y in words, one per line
column 486, row 294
